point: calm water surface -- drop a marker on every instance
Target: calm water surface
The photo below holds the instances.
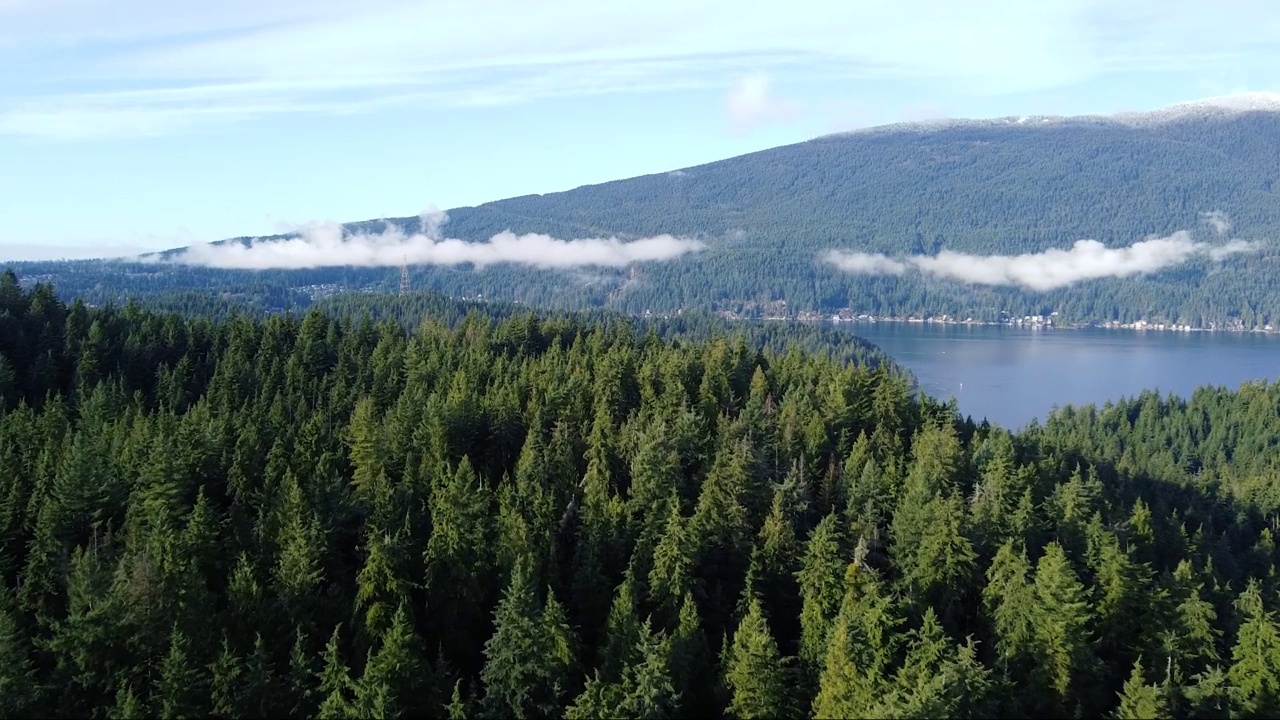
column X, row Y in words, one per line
column 1011, row 375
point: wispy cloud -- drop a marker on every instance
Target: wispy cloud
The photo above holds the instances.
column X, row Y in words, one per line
column 861, row 263
column 1218, row 220
column 751, row 102
column 1048, row 270
column 85, row 68
column 1233, row 247
column 328, row 245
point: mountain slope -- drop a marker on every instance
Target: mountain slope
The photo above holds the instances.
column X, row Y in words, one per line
column 981, row 187
column 1008, row 186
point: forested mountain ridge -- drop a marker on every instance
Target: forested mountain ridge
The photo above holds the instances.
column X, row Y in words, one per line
column 993, row 187
column 981, row 187
column 412, row 309
column 298, row 516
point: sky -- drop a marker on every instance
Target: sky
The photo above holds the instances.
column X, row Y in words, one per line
column 135, row 125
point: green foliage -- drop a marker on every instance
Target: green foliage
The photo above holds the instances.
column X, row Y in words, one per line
column 178, row 692
column 1062, row 619
column 1140, row 701
column 821, row 587
column 189, row 508
column 1255, row 667
column 18, row 691
column 529, row 659
column 755, row 672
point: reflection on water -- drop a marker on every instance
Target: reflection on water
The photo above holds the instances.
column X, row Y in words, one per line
column 1011, row 375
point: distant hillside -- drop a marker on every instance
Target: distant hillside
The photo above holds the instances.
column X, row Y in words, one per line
column 979, row 187
column 1008, row 186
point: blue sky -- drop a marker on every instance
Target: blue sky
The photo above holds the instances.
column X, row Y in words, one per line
column 143, row 124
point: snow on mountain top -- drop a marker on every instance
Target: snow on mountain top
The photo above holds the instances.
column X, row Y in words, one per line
column 1220, row 106
column 1208, row 107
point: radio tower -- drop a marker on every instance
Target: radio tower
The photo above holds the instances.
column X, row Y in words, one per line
column 404, row 277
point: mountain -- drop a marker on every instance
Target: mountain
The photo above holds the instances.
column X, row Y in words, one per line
column 987, row 187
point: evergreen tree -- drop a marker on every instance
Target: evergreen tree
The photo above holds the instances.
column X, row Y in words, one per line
column 391, row 685
column 128, row 706
column 528, row 660
column 335, row 683
column 672, row 573
column 755, row 673
column 1255, row 667
column 1062, row 621
column 1140, row 701
column 820, row 576
column 178, row 693
column 19, row 693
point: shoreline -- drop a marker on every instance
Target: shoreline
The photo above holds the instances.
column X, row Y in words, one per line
column 1133, row 327
column 1140, row 326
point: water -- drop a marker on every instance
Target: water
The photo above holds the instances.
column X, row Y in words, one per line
column 1011, row 375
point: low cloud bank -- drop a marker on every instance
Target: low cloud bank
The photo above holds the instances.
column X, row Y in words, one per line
column 1048, row 270
column 328, row 245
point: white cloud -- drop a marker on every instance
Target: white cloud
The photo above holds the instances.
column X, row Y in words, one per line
column 1048, row 270
column 328, row 245
column 752, row 103
column 73, row 68
column 1233, row 247
column 865, row 263
column 1218, row 220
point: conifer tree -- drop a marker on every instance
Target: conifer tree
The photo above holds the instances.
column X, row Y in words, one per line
column 622, row 640
column 19, row 693
column 842, row 687
column 1062, row 621
column 379, row 587
column 367, row 445
column 930, row 547
column 226, row 683
column 528, row 659
column 299, row 570
column 755, row 673
column 1140, row 701
column 1192, row 637
column 460, row 559
column 821, row 589
column 391, row 684
column 690, row 661
column 178, row 692
column 300, row 682
column 335, row 687
column 1255, row 667
column 861, row 646
column 129, row 706
column 775, row 559
column 671, row 576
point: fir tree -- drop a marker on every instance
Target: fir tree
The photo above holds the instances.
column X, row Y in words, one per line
column 1255, row 667
column 755, row 673
column 1140, row 701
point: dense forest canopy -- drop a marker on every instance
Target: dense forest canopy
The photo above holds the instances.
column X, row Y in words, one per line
column 412, row 309
column 542, row 517
column 981, row 187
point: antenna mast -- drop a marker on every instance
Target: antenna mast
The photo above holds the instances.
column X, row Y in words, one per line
column 404, row 277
